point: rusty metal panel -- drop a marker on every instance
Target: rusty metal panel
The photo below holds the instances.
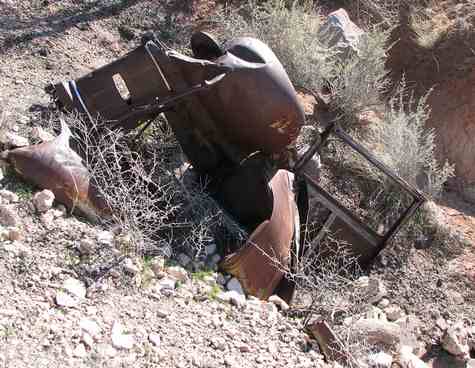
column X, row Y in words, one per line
column 55, row 166
column 330, row 344
column 261, row 263
column 253, row 109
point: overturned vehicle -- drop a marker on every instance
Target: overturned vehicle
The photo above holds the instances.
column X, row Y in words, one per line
column 236, row 116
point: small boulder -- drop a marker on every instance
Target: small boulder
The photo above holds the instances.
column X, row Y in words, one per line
column 43, row 200
column 211, row 249
column 86, row 247
column 341, row 32
column 407, row 359
column 13, row 140
column 378, row 331
column 380, row 360
column 105, row 237
column 376, row 290
column 166, row 284
column 8, row 196
column 375, row 313
column 155, row 339
column 177, row 272
column 120, row 339
column 394, row 312
column 75, row 287
column 130, row 266
column 234, row 285
column 279, row 302
column 90, row 327
column 9, row 216
column 39, row 134
column 455, row 341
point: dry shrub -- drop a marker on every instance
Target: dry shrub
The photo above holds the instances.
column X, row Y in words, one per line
column 155, row 206
column 292, row 32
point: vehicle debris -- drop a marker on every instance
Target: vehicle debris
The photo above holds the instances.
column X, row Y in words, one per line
column 330, row 344
column 54, row 165
column 236, row 116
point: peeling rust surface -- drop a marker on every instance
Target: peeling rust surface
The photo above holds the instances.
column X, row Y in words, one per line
column 254, row 108
column 55, row 166
column 260, row 264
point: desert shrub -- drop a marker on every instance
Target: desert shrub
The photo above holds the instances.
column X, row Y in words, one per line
column 292, row 32
column 405, row 144
column 356, row 84
column 295, row 34
column 154, row 205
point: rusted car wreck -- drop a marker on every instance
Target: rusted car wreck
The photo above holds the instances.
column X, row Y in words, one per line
column 236, row 115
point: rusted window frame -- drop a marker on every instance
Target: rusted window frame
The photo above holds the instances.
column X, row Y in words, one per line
column 378, row 242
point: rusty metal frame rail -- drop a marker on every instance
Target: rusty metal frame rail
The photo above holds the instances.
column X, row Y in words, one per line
column 376, row 241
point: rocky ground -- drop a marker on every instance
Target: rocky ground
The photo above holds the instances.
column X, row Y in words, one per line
column 148, row 312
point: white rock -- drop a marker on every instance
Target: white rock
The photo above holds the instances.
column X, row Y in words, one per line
column 380, row 360
column 279, row 302
column 80, row 351
column 455, row 341
column 155, row 339
column 394, row 312
column 65, row 300
column 8, row 196
column 221, row 279
column 75, row 287
column 341, row 32
column 215, row 259
column 236, row 299
column 211, row 249
column 158, row 265
column 375, row 313
column 43, row 200
column 11, row 140
column 377, row 331
column 105, row 237
column 408, row 360
column 9, row 216
column 183, row 259
column 40, row 134
column 131, row 267
column 106, row 351
column 177, row 272
column 383, row 303
column 362, row 283
column 269, row 308
column 235, row 285
column 121, row 340
column 91, row 327
column 441, row 323
column 47, row 219
column 166, row 284
column 87, row 339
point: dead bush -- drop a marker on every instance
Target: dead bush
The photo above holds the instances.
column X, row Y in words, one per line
column 154, row 204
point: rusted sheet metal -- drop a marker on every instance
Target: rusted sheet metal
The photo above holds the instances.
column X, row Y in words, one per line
column 55, row 166
column 260, row 264
column 331, row 346
column 254, row 108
